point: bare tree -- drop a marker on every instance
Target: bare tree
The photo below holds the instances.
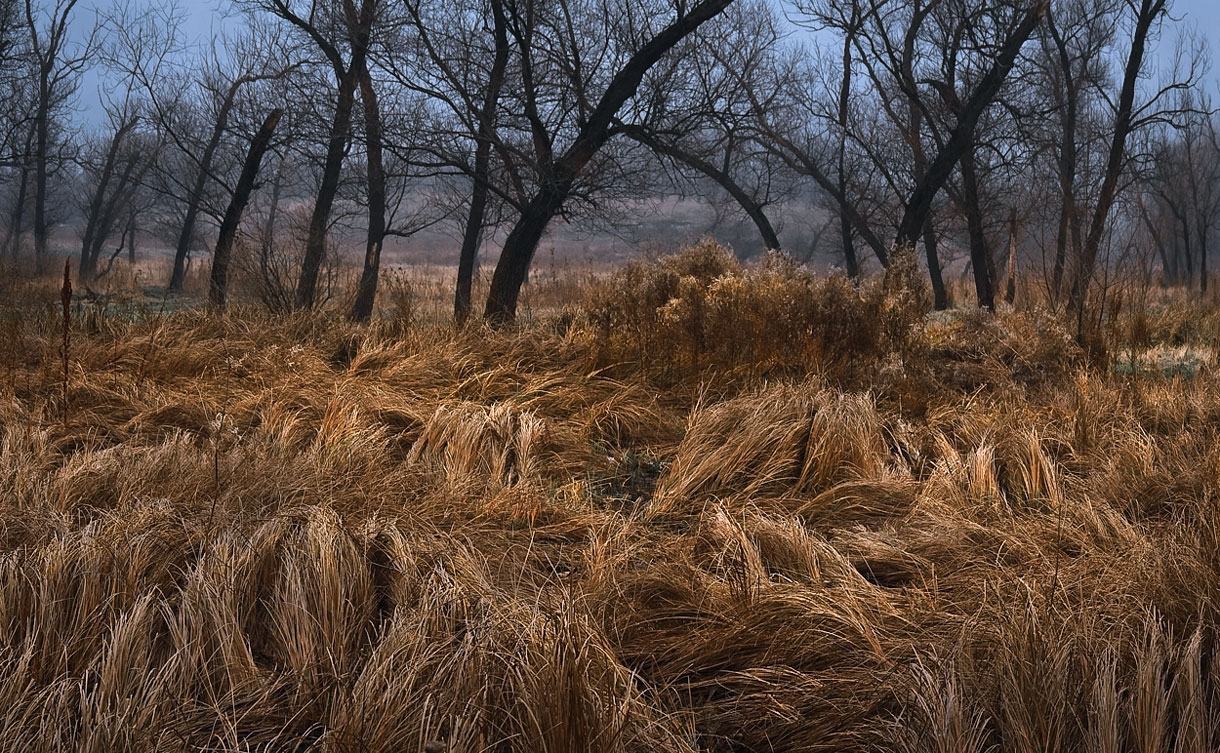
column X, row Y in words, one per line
column 341, row 33
column 58, row 63
column 1076, row 40
column 237, row 204
column 591, row 125
column 362, row 309
column 16, row 126
column 1180, row 196
column 192, row 98
column 114, row 173
column 464, row 72
column 789, row 110
column 693, row 115
column 1129, row 117
column 960, row 139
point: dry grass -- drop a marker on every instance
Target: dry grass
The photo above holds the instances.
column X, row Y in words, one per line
column 679, row 531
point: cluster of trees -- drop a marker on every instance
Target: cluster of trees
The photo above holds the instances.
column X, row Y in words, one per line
column 1048, row 134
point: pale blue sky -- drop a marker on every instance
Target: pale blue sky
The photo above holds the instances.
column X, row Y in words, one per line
column 1204, row 17
column 1206, row 13
column 204, row 18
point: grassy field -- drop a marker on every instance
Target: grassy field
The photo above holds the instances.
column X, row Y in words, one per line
column 688, row 507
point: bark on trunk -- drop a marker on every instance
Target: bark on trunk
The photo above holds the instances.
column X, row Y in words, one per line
column 1148, row 12
column 919, row 204
column 131, row 237
column 1069, row 220
column 518, row 252
column 315, row 243
column 940, row 297
column 850, row 262
column 187, row 233
column 1010, row 287
column 845, row 228
column 218, row 286
column 473, row 234
column 41, row 139
column 523, row 240
column 366, row 295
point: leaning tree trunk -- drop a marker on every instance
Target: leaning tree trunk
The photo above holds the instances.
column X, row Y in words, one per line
column 473, row 233
column 193, row 200
column 940, row 296
column 362, row 309
column 315, row 243
column 919, row 204
column 1124, row 117
column 522, row 241
column 805, row 165
column 519, row 249
column 753, row 209
column 241, row 194
column 90, row 243
column 122, row 191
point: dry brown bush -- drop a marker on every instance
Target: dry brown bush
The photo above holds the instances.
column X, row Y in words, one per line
column 699, row 309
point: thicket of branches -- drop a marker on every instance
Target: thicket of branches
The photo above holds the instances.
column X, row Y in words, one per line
column 1046, row 140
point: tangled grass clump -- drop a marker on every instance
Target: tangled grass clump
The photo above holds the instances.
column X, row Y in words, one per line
column 292, row 533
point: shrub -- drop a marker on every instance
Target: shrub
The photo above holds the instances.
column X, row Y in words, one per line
column 699, row 309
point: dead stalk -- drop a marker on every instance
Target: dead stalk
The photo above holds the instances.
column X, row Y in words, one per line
column 65, row 298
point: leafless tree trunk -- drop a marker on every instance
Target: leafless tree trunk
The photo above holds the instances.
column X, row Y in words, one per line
column 16, row 228
column 356, row 30
column 918, row 206
column 846, row 232
column 1068, row 104
column 104, row 196
column 980, row 253
column 362, row 309
column 1147, row 14
column 315, row 242
column 241, row 194
column 56, row 71
column 522, row 241
column 753, row 208
column 480, row 180
column 203, row 172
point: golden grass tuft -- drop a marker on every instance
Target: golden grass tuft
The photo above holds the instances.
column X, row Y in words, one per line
column 709, row 507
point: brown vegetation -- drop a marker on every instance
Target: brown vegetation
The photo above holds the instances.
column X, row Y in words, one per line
column 707, row 508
